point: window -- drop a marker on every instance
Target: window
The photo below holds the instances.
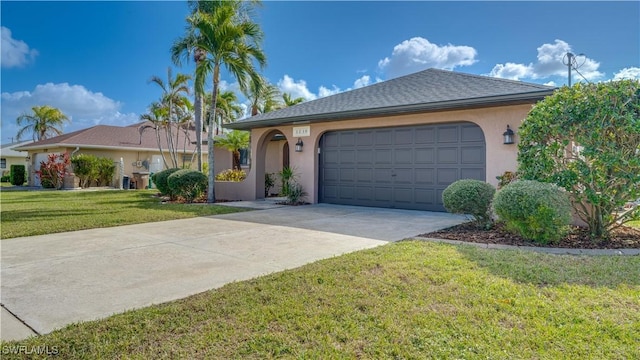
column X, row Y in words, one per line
column 3, row 163
column 244, row 157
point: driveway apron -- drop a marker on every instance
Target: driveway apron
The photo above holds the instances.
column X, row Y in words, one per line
column 53, row 280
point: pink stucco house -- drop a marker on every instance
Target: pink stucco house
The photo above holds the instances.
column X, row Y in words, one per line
column 397, row 143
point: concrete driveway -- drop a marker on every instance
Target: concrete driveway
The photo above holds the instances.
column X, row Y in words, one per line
column 50, row 281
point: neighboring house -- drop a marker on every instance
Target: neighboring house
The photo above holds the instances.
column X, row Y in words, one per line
column 397, row 143
column 136, row 145
column 9, row 156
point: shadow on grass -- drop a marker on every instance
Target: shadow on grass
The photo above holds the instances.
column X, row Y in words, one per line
column 551, row 270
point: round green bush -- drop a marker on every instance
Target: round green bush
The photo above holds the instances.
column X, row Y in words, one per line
column 468, row 196
column 536, row 211
column 160, row 179
column 187, row 184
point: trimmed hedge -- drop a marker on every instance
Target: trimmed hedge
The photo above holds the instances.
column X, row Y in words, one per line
column 536, row 211
column 231, row 175
column 187, row 184
column 473, row 197
column 18, row 175
column 160, row 179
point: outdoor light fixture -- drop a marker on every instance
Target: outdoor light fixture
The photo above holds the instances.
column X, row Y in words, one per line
column 508, row 136
column 299, row 145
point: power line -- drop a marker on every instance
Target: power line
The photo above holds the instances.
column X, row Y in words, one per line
column 570, row 61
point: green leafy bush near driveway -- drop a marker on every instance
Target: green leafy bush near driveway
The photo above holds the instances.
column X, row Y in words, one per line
column 536, row 211
column 468, row 196
column 231, row 175
column 586, row 139
column 160, row 179
column 187, row 184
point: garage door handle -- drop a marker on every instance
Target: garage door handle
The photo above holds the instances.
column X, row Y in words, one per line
column 393, row 175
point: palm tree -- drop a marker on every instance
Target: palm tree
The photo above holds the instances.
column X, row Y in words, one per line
column 44, row 122
column 264, row 96
column 157, row 116
column 288, row 101
column 174, row 99
column 230, row 39
column 234, row 141
column 228, row 109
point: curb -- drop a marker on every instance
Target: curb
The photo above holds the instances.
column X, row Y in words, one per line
column 553, row 251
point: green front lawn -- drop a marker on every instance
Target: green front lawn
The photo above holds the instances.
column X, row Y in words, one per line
column 406, row 300
column 635, row 223
column 27, row 213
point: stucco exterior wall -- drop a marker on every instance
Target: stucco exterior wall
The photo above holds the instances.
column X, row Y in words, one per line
column 492, row 120
column 13, row 160
column 130, row 159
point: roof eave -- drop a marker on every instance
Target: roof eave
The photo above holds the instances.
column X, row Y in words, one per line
column 94, row 147
column 512, row 99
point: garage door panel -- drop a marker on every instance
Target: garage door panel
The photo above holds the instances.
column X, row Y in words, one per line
column 364, row 138
column 425, row 176
column 472, row 155
column 364, row 156
column 447, row 155
column 403, row 156
column 347, row 157
column 472, row 173
column 347, row 175
column 383, row 156
column 470, row 133
column 448, row 134
column 402, row 167
column 384, row 137
column 447, row 176
column 424, row 156
column 425, row 135
column 403, row 137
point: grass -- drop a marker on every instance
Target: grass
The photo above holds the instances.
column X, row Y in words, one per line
column 409, row 300
column 635, row 223
column 27, row 213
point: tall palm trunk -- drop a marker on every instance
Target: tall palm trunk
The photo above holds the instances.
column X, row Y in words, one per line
column 211, row 196
column 198, row 55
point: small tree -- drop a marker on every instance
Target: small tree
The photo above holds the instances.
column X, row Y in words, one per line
column 53, row 171
column 234, row 142
column 586, row 138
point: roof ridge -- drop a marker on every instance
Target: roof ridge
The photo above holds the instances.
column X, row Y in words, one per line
column 493, row 78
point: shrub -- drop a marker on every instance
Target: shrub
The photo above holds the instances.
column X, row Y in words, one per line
column 84, row 167
column 269, row 183
column 287, row 176
column 295, row 194
column 506, row 178
column 187, row 184
column 53, row 171
column 231, row 175
column 5, row 178
column 471, row 197
column 18, row 175
column 105, row 168
column 585, row 138
column 160, row 179
column 536, row 211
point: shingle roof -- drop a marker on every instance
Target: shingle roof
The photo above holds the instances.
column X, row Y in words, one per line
column 428, row 90
column 113, row 137
column 7, row 149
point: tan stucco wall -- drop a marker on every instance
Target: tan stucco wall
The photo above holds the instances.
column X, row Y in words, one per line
column 130, row 159
column 13, row 160
column 492, row 120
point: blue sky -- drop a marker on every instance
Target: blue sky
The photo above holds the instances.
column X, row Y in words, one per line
column 93, row 60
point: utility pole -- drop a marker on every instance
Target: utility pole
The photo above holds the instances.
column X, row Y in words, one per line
column 570, row 57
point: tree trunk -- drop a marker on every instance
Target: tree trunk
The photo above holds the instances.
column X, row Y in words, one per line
column 211, row 196
column 198, row 125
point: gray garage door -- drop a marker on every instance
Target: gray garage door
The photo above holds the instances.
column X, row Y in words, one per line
column 401, row 167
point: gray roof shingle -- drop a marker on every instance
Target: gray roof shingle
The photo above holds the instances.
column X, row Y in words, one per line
column 427, row 90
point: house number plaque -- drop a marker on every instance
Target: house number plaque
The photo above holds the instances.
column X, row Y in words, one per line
column 301, row 131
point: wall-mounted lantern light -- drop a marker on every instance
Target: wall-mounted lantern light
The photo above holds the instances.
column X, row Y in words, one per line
column 299, row 145
column 508, row 136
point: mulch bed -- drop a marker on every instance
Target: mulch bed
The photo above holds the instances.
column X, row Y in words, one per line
column 578, row 238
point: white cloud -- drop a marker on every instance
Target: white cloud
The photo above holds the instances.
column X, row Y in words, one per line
column 550, row 62
column 295, row 88
column 324, row 91
column 15, row 53
column 83, row 107
column 627, row 73
column 418, row 54
column 362, row 81
column 550, row 83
